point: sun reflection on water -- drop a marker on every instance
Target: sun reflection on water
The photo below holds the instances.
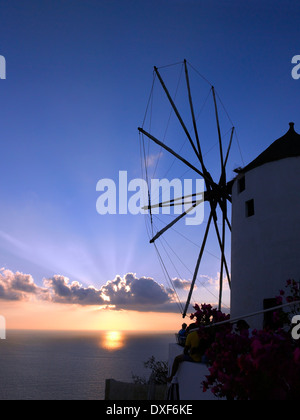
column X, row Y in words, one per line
column 113, row 340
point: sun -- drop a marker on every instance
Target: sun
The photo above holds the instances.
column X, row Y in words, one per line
column 113, row 340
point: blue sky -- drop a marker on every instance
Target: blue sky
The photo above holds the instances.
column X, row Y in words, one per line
column 78, row 80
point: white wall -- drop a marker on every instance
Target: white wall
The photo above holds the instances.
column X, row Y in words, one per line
column 190, row 377
column 265, row 247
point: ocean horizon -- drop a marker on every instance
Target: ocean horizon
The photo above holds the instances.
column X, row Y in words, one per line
column 73, row 365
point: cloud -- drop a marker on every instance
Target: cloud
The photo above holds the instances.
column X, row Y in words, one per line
column 153, row 159
column 214, row 282
column 60, row 290
column 123, row 293
column 133, row 293
column 17, row 286
column 182, row 284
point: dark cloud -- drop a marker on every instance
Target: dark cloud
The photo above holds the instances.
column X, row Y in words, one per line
column 60, row 290
column 142, row 294
column 123, row 293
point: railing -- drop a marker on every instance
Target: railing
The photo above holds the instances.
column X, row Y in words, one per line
column 233, row 320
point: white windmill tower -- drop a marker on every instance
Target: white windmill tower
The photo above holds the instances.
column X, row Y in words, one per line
column 265, row 227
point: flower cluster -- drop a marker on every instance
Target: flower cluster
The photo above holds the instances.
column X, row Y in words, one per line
column 206, row 315
column 264, row 365
column 290, row 295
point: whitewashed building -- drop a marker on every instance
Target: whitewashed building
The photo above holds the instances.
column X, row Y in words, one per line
column 265, row 227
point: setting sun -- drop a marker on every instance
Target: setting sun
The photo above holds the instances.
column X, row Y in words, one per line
column 113, row 340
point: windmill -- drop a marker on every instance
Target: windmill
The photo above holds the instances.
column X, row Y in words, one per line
column 217, row 192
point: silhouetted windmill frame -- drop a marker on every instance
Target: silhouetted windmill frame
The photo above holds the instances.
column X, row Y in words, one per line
column 216, row 193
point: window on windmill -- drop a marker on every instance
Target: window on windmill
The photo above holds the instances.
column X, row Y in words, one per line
column 241, row 184
column 250, row 208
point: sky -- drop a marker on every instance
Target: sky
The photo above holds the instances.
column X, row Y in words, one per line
column 78, row 78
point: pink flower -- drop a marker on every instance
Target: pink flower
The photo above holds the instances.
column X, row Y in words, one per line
column 265, row 365
column 297, row 356
column 256, row 346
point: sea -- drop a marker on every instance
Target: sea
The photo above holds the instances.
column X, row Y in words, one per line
column 74, row 365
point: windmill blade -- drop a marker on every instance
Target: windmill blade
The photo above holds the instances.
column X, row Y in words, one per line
column 218, row 126
column 197, row 265
column 229, row 198
column 168, row 149
column 208, row 179
column 208, row 176
column 176, row 111
column 193, row 115
column 229, row 147
column 175, row 201
column 167, row 204
column 228, row 223
column 223, row 252
column 161, row 232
